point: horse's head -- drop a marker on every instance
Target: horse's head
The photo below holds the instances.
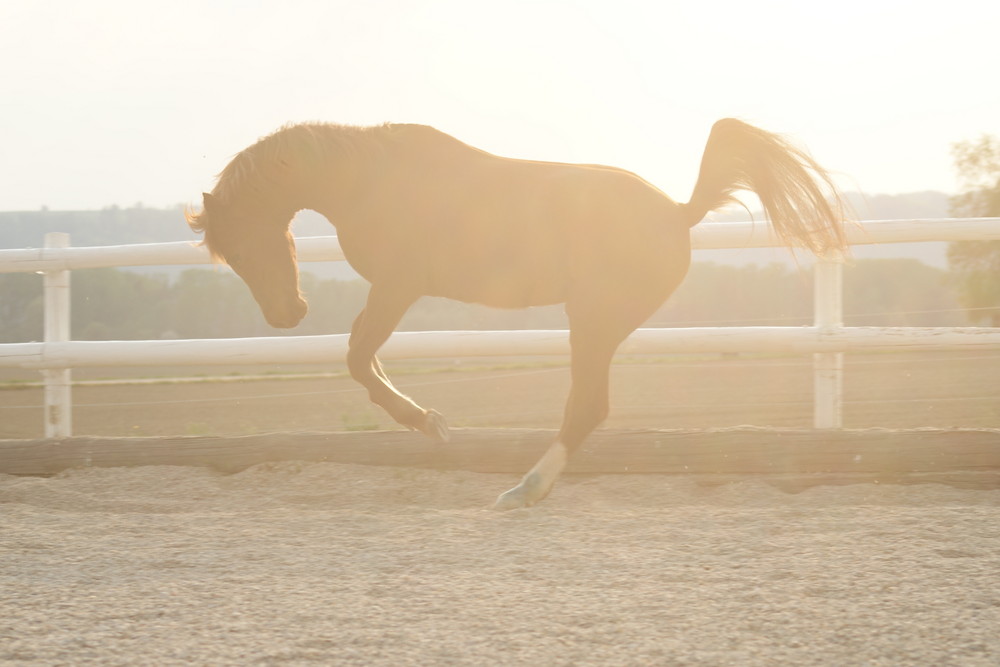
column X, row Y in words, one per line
column 261, row 251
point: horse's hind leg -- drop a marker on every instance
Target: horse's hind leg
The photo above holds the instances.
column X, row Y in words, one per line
column 592, row 347
column 371, row 329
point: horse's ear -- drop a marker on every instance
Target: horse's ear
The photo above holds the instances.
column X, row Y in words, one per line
column 207, row 200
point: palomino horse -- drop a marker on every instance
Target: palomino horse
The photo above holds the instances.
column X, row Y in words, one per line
column 419, row 213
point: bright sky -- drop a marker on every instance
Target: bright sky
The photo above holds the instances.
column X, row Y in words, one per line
column 121, row 101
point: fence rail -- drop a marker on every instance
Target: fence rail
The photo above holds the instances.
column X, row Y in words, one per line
column 707, row 236
column 453, row 344
column 827, row 339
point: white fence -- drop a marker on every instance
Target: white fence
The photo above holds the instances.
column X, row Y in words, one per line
column 827, row 339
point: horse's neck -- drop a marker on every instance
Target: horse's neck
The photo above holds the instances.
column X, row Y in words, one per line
column 301, row 188
column 351, row 174
column 338, row 189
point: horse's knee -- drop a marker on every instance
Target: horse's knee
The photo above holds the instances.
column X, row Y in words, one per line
column 359, row 365
column 362, row 370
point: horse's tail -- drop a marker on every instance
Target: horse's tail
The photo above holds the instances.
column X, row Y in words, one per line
column 787, row 180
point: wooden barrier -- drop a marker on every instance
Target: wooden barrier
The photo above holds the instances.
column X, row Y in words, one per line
column 792, row 459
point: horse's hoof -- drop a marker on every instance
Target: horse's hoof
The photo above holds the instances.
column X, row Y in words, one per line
column 511, row 500
column 435, row 426
column 530, row 491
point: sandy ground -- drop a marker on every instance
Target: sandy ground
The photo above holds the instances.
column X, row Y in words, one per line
column 295, row 563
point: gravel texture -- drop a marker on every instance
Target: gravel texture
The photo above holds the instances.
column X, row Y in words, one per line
column 295, row 563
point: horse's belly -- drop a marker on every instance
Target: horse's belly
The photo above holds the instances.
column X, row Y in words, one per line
column 502, row 289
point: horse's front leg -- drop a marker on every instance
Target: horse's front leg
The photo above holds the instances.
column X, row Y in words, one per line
column 371, row 329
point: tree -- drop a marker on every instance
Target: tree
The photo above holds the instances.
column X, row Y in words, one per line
column 111, row 304
column 21, row 307
column 976, row 264
column 899, row 292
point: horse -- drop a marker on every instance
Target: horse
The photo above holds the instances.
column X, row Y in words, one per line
column 418, row 212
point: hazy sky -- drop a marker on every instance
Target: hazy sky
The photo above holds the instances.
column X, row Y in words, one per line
column 122, row 101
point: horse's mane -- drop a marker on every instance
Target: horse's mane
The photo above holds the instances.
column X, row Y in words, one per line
column 264, row 171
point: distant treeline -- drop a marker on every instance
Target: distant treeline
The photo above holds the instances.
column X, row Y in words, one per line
column 115, row 225
column 109, row 226
column 114, row 304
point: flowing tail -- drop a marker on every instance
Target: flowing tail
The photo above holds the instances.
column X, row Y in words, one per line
column 789, row 183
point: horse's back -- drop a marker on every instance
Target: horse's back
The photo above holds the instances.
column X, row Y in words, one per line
column 459, row 222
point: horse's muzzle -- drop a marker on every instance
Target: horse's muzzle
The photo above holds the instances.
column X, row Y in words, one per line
column 288, row 316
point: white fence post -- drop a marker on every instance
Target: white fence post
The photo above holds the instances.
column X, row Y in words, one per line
column 828, row 367
column 58, row 399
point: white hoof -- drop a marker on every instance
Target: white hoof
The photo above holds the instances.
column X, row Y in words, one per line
column 537, row 483
column 527, row 493
column 436, row 427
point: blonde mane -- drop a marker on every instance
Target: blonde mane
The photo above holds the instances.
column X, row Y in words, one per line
column 265, row 173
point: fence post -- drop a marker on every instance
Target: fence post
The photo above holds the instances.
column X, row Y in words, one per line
column 828, row 367
column 58, row 399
